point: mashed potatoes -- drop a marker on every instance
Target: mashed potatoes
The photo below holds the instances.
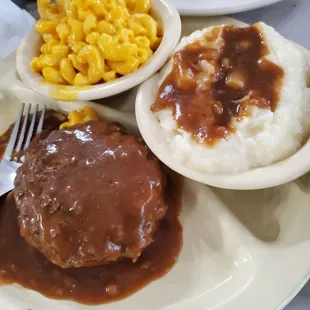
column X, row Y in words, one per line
column 261, row 136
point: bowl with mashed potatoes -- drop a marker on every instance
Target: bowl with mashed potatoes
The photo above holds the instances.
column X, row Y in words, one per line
column 87, row 50
column 231, row 108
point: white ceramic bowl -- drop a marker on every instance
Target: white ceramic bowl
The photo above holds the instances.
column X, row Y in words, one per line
column 170, row 22
column 265, row 177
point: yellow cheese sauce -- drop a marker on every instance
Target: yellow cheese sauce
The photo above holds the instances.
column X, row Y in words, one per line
column 67, row 93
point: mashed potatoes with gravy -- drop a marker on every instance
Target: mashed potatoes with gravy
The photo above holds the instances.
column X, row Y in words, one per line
column 267, row 132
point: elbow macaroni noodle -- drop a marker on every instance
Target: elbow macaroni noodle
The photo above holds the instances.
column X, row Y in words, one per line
column 90, row 41
column 78, row 117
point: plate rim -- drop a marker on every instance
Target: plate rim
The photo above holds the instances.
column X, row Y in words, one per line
column 226, row 10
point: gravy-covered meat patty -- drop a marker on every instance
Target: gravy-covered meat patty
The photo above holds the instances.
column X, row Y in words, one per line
column 89, row 195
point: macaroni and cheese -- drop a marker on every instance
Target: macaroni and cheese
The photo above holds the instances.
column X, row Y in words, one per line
column 78, row 117
column 93, row 41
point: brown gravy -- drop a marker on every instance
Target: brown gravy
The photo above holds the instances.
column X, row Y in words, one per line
column 242, row 77
column 22, row 264
column 89, row 195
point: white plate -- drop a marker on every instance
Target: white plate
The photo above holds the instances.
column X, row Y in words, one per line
column 243, row 250
column 218, row 7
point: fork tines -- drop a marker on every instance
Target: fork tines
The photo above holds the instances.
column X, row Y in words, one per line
column 19, row 132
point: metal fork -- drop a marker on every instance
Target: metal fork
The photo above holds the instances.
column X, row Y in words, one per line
column 18, row 143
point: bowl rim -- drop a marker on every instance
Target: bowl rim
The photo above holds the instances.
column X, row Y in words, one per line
column 275, row 174
column 269, row 176
column 171, row 25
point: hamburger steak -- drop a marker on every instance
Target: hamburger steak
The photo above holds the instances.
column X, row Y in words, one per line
column 89, row 195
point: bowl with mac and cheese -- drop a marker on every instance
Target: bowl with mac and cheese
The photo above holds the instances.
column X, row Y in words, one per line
column 92, row 49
